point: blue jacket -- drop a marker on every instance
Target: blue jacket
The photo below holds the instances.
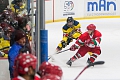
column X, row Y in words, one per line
column 12, row 54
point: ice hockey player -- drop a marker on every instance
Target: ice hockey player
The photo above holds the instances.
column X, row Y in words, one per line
column 18, row 7
column 71, row 30
column 4, row 44
column 87, row 42
column 47, row 69
column 25, row 66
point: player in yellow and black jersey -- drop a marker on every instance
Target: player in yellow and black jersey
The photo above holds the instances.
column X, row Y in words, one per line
column 71, row 30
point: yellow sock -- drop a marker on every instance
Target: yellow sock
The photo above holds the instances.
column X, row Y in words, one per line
column 6, row 56
column 90, row 53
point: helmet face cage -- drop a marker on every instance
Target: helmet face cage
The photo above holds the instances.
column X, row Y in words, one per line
column 70, row 22
column 6, row 15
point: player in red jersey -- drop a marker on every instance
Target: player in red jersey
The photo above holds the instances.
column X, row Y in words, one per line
column 25, row 66
column 87, row 42
column 51, row 69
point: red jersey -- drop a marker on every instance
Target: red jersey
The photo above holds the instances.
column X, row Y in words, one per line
column 37, row 77
column 95, row 37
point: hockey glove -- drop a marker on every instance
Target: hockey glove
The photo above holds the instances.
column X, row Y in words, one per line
column 63, row 44
column 73, row 47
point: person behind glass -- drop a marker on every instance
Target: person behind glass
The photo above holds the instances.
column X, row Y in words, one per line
column 22, row 22
column 89, row 41
column 17, row 6
column 4, row 44
column 20, row 40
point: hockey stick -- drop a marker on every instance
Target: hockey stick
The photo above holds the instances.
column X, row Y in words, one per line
column 95, row 63
column 57, row 53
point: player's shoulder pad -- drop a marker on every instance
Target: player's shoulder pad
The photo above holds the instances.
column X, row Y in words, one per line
column 65, row 27
column 83, row 35
column 97, row 33
column 76, row 22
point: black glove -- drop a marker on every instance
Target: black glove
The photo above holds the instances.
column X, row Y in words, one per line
column 63, row 44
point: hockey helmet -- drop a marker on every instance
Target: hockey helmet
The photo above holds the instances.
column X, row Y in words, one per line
column 24, row 61
column 48, row 68
column 56, row 70
column 91, row 27
column 9, row 29
column 22, row 22
column 43, row 67
column 70, row 22
column 70, row 19
column 6, row 15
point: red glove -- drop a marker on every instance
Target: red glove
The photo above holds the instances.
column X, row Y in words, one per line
column 73, row 47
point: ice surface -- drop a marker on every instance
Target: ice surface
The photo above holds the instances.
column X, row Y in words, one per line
column 110, row 46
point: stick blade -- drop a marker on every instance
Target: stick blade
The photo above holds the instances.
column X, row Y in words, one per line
column 96, row 63
column 99, row 62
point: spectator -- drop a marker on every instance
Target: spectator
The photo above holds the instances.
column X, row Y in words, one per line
column 18, row 7
column 20, row 40
column 22, row 22
column 4, row 44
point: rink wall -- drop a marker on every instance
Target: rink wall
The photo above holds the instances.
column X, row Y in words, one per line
column 59, row 10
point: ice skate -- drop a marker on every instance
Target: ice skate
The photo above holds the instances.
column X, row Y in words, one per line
column 89, row 62
column 69, row 62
